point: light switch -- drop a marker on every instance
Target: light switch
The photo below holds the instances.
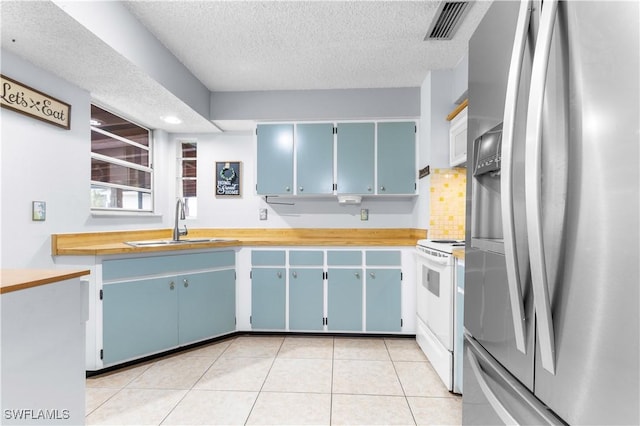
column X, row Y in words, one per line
column 263, row 214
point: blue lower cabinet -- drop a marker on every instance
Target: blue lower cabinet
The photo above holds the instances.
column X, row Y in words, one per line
column 268, row 298
column 383, row 300
column 344, row 299
column 306, row 301
column 150, row 315
column 224, row 304
column 139, row 318
column 206, row 305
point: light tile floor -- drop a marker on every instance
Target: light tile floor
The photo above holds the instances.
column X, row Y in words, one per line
column 278, row 380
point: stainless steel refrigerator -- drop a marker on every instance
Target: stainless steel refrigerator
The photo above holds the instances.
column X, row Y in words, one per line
column 552, row 243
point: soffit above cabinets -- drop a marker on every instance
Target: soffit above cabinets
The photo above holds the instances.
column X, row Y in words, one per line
column 223, row 46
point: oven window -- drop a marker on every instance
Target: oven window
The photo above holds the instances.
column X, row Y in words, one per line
column 432, row 279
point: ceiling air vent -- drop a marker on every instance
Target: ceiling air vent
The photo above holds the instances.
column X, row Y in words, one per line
column 447, row 20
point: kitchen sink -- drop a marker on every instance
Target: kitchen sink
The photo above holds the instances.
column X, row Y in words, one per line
column 158, row 243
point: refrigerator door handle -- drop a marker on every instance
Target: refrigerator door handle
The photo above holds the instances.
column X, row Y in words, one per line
column 510, row 399
column 533, row 166
column 495, row 403
column 506, row 182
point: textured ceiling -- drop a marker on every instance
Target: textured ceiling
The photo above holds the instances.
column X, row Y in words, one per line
column 240, row 46
column 303, row 44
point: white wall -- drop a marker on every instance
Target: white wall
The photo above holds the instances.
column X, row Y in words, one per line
column 41, row 162
column 435, row 105
column 330, row 104
column 460, row 80
column 242, row 212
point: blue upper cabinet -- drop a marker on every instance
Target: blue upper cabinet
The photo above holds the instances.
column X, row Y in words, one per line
column 275, row 159
column 314, row 158
column 356, row 154
column 396, row 158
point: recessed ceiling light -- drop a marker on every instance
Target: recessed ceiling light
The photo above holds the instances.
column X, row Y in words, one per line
column 171, row 119
column 95, row 122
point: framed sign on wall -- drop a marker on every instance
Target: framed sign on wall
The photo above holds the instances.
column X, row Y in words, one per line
column 228, row 179
column 26, row 100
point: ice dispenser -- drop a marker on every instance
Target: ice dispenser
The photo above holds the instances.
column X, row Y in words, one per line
column 486, row 216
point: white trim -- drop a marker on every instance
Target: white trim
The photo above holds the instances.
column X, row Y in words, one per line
column 118, row 186
column 121, row 139
column 118, row 162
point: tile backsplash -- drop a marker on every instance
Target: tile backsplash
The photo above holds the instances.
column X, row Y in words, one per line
column 447, row 206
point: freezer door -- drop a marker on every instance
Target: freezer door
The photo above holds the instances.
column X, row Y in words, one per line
column 593, row 281
column 487, row 314
column 492, row 396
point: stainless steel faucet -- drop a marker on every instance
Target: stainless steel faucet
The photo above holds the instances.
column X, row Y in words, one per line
column 177, row 233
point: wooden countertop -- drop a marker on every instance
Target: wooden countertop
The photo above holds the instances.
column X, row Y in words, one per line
column 458, row 253
column 20, row 279
column 105, row 243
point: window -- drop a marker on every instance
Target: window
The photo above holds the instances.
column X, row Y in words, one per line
column 121, row 169
column 187, row 175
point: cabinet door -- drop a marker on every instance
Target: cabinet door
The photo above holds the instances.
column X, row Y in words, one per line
column 139, row 317
column 224, row 305
column 306, row 299
column 195, row 316
column 396, row 158
column 314, row 158
column 355, row 152
column 458, row 139
column 344, row 299
column 275, row 159
column 268, row 298
column 383, row 300
column 206, row 305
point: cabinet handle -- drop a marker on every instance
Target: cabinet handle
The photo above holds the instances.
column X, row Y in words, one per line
column 279, row 274
column 186, row 283
column 358, row 275
column 369, row 188
column 172, row 285
column 287, row 189
column 295, row 274
column 301, row 189
column 372, row 274
column 382, row 188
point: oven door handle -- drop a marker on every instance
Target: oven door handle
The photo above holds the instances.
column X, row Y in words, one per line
column 506, row 183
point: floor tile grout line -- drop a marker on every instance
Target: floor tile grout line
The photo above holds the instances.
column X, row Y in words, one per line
column 125, row 386
column 195, row 382
column 404, row 393
column 103, row 402
column 278, row 355
column 264, row 381
column 333, row 358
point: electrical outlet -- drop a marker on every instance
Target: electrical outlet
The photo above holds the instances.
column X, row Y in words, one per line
column 263, row 214
column 364, row 214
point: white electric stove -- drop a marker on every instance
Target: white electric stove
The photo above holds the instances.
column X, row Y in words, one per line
column 436, row 308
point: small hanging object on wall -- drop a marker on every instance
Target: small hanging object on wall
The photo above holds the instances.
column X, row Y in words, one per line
column 423, row 172
column 33, row 103
column 228, row 179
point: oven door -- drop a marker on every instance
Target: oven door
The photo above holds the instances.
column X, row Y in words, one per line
column 435, row 297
